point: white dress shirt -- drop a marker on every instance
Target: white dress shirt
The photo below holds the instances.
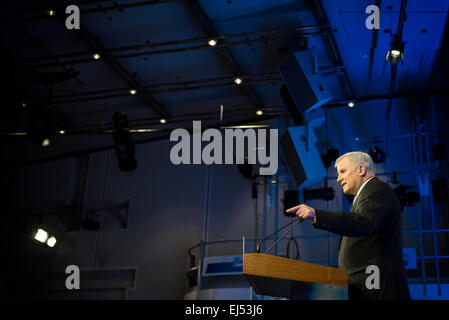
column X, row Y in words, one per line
column 360, row 189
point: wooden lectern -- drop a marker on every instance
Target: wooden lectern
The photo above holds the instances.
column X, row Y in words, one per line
column 288, row 278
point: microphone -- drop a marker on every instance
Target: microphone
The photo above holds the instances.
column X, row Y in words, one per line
column 299, row 220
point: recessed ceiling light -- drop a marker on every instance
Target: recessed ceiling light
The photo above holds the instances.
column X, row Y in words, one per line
column 61, row 131
column 237, row 80
column 46, row 143
column 133, row 91
column 163, row 121
column 259, row 112
column 96, row 56
column 212, row 42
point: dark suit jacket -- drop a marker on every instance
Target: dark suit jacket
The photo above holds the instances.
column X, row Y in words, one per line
column 371, row 236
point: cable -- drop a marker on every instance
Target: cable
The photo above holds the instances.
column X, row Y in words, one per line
column 292, row 239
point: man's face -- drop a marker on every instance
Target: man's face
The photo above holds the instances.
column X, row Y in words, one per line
column 350, row 176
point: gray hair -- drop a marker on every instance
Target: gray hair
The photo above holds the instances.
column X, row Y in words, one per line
column 358, row 157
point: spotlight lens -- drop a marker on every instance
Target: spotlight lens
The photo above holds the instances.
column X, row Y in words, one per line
column 259, row 112
column 46, row 142
column 238, row 81
column 51, row 241
column 132, row 91
column 41, row 235
column 96, row 56
column 351, row 104
column 212, row 42
column 395, row 53
column 163, row 121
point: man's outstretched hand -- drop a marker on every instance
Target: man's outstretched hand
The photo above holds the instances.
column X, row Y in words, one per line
column 303, row 211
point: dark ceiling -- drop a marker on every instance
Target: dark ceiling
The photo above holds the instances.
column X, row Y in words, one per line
column 160, row 49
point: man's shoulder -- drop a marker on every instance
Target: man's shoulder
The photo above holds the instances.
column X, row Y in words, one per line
column 375, row 185
column 379, row 187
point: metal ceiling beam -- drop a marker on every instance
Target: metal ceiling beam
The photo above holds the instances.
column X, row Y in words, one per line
column 175, row 86
column 18, row 16
column 164, row 136
column 207, row 26
column 184, row 85
column 155, row 52
column 313, row 31
column 143, row 95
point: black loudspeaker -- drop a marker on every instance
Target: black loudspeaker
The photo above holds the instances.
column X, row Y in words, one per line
column 302, row 157
column 440, row 192
column 297, row 116
column 304, row 85
column 291, row 199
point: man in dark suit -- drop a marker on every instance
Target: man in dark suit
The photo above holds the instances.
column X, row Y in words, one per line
column 371, row 232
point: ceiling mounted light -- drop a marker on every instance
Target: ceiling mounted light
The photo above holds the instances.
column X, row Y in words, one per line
column 51, row 12
column 133, row 91
column 96, row 56
column 259, row 112
column 238, row 80
column 41, row 235
column 51, row 241
column 396, row 52
column 212, row 42
column 61, row 131
column 162, row 121
column 46, row 143
column 377, row 154
column 351, row 104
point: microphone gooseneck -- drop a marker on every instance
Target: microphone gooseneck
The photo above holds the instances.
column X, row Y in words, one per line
column 299, row 220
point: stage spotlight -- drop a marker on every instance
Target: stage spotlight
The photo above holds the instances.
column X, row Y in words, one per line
column 212, row 43
column 351, row 104
column 396, row 52
column 162, row 121
column 123, row 143
column 132, row 91
column 51, row 241
column 406, row 198
column 377, row 154
column 330, row 156
column 439, row 151
column 327, row 194
column 41, row 235
column 96, row 56
column 259, row 112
